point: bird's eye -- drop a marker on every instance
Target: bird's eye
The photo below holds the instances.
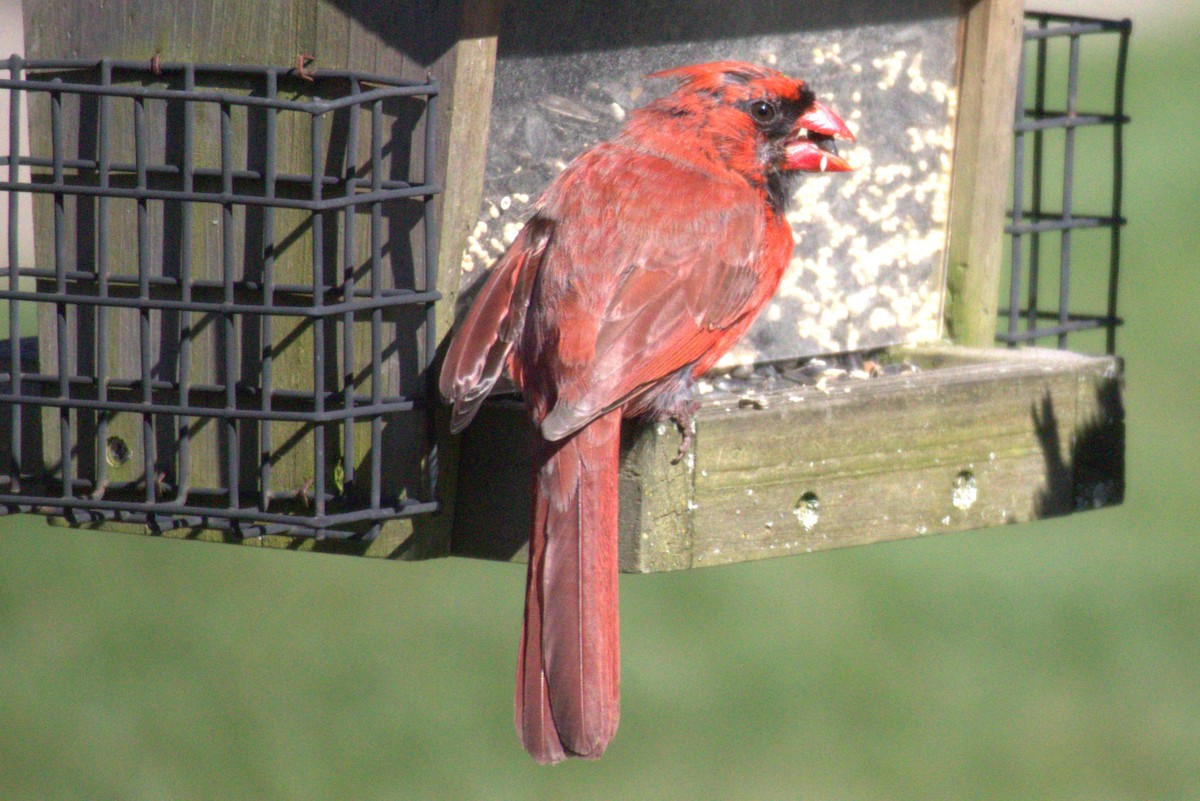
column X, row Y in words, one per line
column 763, row 112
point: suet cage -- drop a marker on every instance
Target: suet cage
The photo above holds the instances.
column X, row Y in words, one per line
column 231, row 336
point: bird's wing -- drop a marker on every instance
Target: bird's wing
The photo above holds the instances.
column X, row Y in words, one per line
column 484, row 339
column 658, row 291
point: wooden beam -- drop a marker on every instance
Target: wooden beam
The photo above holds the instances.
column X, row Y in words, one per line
column 990, row 55
column 464, row 136
column 976, row 438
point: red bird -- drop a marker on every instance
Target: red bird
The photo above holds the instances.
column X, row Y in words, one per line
column 643, row 263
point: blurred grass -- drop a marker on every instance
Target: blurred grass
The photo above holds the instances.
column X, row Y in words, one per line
column 27, row 322
column 1056, row 660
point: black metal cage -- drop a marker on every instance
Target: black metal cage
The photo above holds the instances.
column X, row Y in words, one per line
column 233, row 288
column 1046, row 155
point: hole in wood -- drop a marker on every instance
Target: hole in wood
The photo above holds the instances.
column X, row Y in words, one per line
column 808, row 510
column 964, row 491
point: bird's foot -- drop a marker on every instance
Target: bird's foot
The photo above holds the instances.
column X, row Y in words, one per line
column 684, row 416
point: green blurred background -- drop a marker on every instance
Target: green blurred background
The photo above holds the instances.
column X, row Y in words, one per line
column 1059, row 660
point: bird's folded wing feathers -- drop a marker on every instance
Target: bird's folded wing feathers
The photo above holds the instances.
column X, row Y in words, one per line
column 663, row 316
column 485, row 337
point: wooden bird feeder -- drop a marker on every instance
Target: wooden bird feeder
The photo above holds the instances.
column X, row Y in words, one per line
column 903, row 260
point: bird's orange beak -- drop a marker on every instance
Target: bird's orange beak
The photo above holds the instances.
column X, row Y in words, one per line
column 811, row 148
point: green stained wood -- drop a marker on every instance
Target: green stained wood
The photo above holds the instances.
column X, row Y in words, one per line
column 990, row 50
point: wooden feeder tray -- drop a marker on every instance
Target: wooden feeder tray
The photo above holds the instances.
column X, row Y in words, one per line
column 974, row 438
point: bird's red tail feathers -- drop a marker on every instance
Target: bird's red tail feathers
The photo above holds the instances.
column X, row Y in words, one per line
column 567, row 699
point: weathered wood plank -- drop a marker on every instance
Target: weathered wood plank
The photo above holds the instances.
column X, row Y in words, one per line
column 977, row 438
column 940, row 450
column 657, row 507
column 990, row 50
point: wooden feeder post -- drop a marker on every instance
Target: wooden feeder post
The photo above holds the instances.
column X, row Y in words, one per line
column 987, row 94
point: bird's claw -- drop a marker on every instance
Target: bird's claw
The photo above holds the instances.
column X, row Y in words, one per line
column 685, row 444
column 685, row 419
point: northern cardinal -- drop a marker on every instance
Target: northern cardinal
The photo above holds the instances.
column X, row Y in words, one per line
column 641, row 265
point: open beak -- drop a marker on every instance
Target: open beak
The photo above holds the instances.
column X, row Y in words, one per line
column 812, row 147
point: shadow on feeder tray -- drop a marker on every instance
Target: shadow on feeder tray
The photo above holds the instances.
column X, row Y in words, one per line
column 1094, row 474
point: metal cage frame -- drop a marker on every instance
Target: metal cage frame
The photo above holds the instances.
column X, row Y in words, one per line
column 340, row 501
column 1032, row 218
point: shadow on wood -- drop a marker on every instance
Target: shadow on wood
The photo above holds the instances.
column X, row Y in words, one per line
column 1093, row 474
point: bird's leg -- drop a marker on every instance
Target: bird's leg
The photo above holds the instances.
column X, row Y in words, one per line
column 674, row 400
column 684, row 416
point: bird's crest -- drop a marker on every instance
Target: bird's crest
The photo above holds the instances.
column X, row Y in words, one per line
column 733, row 80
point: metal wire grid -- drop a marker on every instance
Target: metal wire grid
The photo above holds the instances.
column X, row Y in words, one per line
column 1032, row 216
column 83, row 397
